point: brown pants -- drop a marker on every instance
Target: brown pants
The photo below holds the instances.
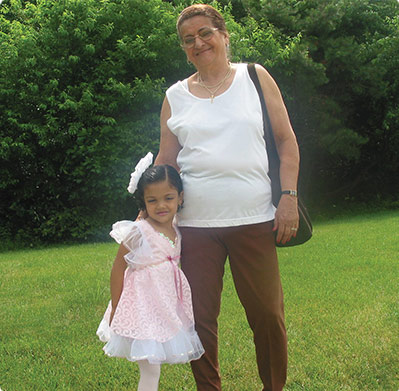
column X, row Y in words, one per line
column 254, row 266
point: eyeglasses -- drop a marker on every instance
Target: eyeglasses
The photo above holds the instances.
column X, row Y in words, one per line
column 205, row 35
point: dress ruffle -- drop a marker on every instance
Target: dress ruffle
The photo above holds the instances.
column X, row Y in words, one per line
column 121, row 230
column 185, row 346
column 154, row 318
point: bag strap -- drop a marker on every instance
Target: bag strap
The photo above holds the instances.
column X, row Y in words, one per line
column 272, row 154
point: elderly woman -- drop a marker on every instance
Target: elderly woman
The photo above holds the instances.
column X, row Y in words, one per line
column 212, row 131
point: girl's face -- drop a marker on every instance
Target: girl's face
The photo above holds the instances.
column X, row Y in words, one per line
column 161, row 202
column 204, row 52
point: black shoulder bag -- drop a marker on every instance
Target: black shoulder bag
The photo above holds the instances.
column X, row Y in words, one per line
column 305, row 228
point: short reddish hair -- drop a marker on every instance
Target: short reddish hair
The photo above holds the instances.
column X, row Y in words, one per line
column 202, row 10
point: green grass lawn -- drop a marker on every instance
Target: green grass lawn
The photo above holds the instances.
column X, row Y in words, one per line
column 342, row 312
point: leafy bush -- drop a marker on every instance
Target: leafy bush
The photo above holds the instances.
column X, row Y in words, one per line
column 342, row 98
column 81, row 89
column 82, row 83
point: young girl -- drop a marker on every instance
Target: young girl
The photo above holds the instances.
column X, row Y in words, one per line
column 149, row 318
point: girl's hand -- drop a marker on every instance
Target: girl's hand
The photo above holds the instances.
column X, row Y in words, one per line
column 286, row 221
column 111, row 316
column 117, row 275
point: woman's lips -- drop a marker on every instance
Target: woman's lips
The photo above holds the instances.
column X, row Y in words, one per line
column 202, row 51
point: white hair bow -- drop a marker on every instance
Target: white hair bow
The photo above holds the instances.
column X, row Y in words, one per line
column 135, row 176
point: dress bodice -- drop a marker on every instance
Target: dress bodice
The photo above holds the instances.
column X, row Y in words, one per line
column 147, row 247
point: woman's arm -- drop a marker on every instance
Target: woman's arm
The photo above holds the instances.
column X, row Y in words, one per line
column 117, row 275
column 288, row 151
column 169, row 145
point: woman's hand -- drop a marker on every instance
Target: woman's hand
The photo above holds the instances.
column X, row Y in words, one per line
column 286, row 221
column 142, row 215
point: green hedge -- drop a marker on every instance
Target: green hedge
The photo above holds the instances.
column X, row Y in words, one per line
column 82, row 83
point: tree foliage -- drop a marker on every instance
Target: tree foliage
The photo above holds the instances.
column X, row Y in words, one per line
column 82, row 82
column 345, row 117
column 81, row 88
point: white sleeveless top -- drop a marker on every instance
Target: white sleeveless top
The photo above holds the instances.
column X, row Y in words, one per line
column 223, row 159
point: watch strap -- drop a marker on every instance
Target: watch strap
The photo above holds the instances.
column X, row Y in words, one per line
column 290, row 192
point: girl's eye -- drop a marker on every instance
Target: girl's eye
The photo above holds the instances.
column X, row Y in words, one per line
column 150, row 201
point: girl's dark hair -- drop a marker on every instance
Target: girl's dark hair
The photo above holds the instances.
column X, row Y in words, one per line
column 156, row 174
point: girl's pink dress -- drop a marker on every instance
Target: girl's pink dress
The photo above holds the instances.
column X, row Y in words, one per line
column 154, row 317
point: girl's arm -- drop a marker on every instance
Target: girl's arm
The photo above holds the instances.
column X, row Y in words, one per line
column 288, row 151
column 117, row 274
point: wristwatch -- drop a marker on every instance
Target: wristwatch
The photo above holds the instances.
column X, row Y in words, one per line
column 290, row 192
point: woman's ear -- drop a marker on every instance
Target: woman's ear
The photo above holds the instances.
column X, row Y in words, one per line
column 226, row 37
column 181, row 200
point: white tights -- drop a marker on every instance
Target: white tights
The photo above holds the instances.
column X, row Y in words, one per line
column 149, row 376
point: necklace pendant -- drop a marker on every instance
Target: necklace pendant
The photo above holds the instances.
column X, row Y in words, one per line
column 214, row 89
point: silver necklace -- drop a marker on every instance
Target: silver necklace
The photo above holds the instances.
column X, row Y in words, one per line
column 215, row 88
